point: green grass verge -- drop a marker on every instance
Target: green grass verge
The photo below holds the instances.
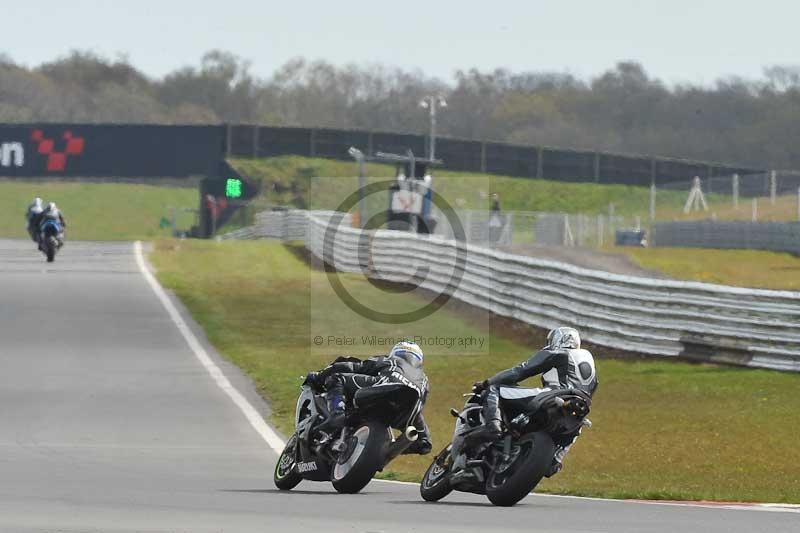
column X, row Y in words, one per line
column 98, row 211
column 742, row 268
column 662, row 429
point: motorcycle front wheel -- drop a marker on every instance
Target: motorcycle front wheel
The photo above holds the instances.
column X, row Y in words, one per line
column 361, row 459
column 436, row 481
column 515, row 476
column 286, row 476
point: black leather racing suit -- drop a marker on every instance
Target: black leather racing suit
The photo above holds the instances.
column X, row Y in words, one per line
column 346, row 375
column 565, row 368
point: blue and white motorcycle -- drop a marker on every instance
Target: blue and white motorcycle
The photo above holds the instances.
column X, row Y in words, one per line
column 51, row 238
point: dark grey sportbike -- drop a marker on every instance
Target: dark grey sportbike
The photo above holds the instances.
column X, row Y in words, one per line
column 350, row 457
column 507, row 469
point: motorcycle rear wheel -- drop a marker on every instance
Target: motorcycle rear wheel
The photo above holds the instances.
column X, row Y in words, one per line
column 286, row 476
column 363, row 457
column 436, row 481
column 510, row 481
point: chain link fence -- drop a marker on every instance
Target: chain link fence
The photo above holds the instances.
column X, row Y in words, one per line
column 767, row 196
column 510, row 228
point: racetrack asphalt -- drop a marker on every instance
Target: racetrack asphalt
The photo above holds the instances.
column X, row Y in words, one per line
column 108, row 423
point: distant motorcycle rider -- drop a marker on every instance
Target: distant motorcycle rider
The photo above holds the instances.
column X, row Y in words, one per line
column 52, row 212
column 403, row 365
column 33, row 215
column 562, row 364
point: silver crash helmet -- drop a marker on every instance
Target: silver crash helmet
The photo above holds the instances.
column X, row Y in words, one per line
column 564, row 339
column 410, row 352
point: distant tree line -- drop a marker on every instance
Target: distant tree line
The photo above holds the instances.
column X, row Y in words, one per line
column 753, row 122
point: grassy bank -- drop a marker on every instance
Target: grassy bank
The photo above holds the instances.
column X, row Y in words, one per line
column 287, row 180
column 662, row 429
column 742, row 268
column 97, row 211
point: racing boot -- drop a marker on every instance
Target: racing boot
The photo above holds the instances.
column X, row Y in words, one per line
column 335, row 420
column 421, row 446
column 490, row 431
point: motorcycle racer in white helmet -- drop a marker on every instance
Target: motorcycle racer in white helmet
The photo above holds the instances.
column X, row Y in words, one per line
column 346, row 375
column 562, row 364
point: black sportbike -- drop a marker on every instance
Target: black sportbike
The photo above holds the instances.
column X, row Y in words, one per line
column 350, row 457
column 509, row 468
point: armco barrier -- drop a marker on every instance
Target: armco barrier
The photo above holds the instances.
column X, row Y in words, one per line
column 715, row 323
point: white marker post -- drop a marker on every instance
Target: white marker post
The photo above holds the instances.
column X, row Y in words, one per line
column 736, row 191
column 773, row 187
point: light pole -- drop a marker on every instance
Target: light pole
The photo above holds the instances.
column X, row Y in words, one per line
column 358, row 155
column 430, row 103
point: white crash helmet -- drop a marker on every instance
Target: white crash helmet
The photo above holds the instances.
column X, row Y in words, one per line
column 564, row 339
column 409, row 352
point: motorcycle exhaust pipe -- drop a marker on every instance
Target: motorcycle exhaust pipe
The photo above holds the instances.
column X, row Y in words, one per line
column 400, row 444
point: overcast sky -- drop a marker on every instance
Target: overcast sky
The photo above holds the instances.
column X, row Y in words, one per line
column 676, row 40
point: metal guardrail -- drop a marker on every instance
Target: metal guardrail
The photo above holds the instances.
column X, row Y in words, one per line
column 750, row 327
column 283, row 224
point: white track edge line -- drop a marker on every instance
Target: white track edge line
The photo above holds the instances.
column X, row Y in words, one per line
column 276, row 443
column 251, row 414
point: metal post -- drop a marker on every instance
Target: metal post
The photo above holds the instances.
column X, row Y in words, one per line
column 754, row 217
column 362, row 184
column 358, row 155
column 652, row 202
column 611, row 221
column 736, row 191
column 773, row 186
column 483, row 157
column 432, row 149
column 430, row 103
column 599, row 231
